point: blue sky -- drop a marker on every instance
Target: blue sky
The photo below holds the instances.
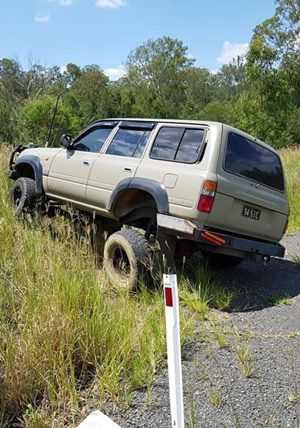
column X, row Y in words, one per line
column 103, row 32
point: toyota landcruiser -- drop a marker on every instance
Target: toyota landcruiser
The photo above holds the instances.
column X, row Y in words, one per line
column 180, row 186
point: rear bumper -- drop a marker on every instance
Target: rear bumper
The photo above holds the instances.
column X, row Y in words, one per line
column 218, row 242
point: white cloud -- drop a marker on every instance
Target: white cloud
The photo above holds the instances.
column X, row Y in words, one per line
column 115, row 73
column 41, row 19
column 62, row 2
column 232, row 50
column 110, row 4
column 63, row 68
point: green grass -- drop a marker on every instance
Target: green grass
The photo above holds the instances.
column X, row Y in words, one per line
column 280, row 301
column 291, row 164
column 201, row 292
column 214, row 397
column 64, row 333
column 244, row 359
column 296, row 259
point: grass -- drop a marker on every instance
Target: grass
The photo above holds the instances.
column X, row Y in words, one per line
column 220, row 338
column 214, row 397
column 200, row 292
column 280, row 301
column 296, row 259
column 244, row 359
column 291, row 161
column 64, row 333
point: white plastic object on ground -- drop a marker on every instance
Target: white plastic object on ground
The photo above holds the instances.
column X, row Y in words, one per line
column 174, row 350
column 97, row 419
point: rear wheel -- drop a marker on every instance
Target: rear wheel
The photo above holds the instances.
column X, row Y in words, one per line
column 220, row 261
column 23, row 196
column 127, row 259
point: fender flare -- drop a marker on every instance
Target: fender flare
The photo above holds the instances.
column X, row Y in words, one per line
column 154, row 188
column 35, row 163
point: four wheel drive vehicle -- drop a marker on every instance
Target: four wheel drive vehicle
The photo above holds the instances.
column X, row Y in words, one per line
column 189, row 186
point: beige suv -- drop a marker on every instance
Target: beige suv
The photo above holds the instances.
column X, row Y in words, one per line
column 189, row 186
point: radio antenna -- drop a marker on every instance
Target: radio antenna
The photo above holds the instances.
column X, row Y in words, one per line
column 52, row 122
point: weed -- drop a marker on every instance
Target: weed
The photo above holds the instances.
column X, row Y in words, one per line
column 244, row 358
column 201, row 292
column 291, row 161
column 214, row 396
column 63, row 330
column 220, row 337
column 296, row 259
column 192, row 419
column 280, row 301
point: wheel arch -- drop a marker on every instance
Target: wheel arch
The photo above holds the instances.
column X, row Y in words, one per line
column 135, row 193
column 30, row 166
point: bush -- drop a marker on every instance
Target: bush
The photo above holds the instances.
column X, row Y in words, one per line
column 36, row 117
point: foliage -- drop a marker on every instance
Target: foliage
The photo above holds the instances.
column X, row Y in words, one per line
column 291, row 162
column 63, row 330
column 199, row 291
column 259, row 93
column 36, row 116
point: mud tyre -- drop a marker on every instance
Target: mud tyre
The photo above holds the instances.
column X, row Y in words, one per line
column 23, row 196
column 127, row 259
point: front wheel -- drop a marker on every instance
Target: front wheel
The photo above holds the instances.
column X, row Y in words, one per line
column 23, row 195
column 127, row 259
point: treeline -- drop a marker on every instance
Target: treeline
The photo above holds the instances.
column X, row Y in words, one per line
column 259, row 93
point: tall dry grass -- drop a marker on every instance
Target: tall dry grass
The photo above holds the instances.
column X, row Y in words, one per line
column 63, row 330
column 65, row 335
column 291, row 164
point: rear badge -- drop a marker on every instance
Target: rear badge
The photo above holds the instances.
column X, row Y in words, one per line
column 253, row 213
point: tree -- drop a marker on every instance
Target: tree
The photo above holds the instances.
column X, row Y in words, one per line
column 88, row 94
column 272, row 73
column 36, row 117
column 154, row 73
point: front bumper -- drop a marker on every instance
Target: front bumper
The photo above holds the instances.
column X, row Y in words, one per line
column 219, row 242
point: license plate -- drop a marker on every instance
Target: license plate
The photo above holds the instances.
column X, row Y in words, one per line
column 253, row 213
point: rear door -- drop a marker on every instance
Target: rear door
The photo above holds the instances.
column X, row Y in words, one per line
column 251, row 199
column 120, row 160
column 174, row 160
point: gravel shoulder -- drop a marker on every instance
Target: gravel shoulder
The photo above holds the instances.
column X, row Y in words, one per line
column 259, row 389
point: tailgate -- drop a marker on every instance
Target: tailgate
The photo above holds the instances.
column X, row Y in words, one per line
column 246, row 200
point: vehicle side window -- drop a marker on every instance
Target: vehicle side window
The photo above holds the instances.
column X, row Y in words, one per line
column 249, row 159
column 93, row 141
column 177, row 144
column 128, row 142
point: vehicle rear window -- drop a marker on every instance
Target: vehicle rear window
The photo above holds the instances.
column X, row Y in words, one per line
column 177, row 144
column 249, row 159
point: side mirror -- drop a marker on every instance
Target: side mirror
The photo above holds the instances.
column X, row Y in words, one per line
column 66, row 141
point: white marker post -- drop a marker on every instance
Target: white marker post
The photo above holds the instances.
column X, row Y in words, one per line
column 97, row 419
column 174, row 350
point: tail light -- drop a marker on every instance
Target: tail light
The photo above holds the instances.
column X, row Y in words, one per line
column 207, row 196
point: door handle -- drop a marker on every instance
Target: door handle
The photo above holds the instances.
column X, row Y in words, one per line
column 128, row 169
column 86, row 162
